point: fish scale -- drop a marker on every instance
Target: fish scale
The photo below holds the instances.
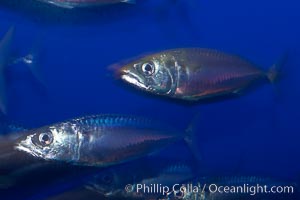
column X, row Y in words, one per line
column 116, row 120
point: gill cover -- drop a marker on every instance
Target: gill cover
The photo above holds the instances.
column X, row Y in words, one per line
column 156, row 75
column 51, row 143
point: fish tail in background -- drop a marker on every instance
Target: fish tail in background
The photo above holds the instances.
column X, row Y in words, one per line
column 191, row 138
column 274, row 72
column 5, row 44
column 31, row 60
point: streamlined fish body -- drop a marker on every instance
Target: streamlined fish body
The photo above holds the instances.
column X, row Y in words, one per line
column 99, row 140
column 192, row 73
column 7, row 61
column 147, row 171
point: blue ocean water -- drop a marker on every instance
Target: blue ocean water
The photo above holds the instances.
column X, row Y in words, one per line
column 256, row 133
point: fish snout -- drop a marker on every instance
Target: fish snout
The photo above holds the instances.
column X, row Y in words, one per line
column 133, row 79
column 116, row 70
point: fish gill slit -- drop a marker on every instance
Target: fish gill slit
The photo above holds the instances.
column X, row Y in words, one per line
column 175, row 78
column 79, row 138
column 173, row 84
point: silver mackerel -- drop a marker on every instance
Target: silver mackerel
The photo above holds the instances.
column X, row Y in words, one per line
column 99, row 140
column 193, row 73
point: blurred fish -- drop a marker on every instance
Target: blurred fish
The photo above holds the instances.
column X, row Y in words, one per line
column 150, row 170
column 84, row 3
column 5, row 45
column 109, row 183
column 36, row 179
column 193, row 73
column 11, row 160
column 99, row 140
column 171, row 175
column 10, row 130
column 248, row 188
column 6, row 61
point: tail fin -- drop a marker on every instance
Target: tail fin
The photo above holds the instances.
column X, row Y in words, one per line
column 5, row 44
column 274, row 71
column 31, row 60
column 191, row 140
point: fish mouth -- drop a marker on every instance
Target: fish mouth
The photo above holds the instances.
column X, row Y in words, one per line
column 133, row 79
column 22, row 148
column 26, row 146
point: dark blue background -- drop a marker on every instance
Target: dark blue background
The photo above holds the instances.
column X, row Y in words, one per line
column 257, row 133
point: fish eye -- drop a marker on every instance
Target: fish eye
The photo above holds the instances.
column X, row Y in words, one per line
column 148, row 68
column 46, row 138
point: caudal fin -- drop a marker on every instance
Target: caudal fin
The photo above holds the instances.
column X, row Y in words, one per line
column 31, row 60
column 5, row 45
column 274, row 71
column 191, row 139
